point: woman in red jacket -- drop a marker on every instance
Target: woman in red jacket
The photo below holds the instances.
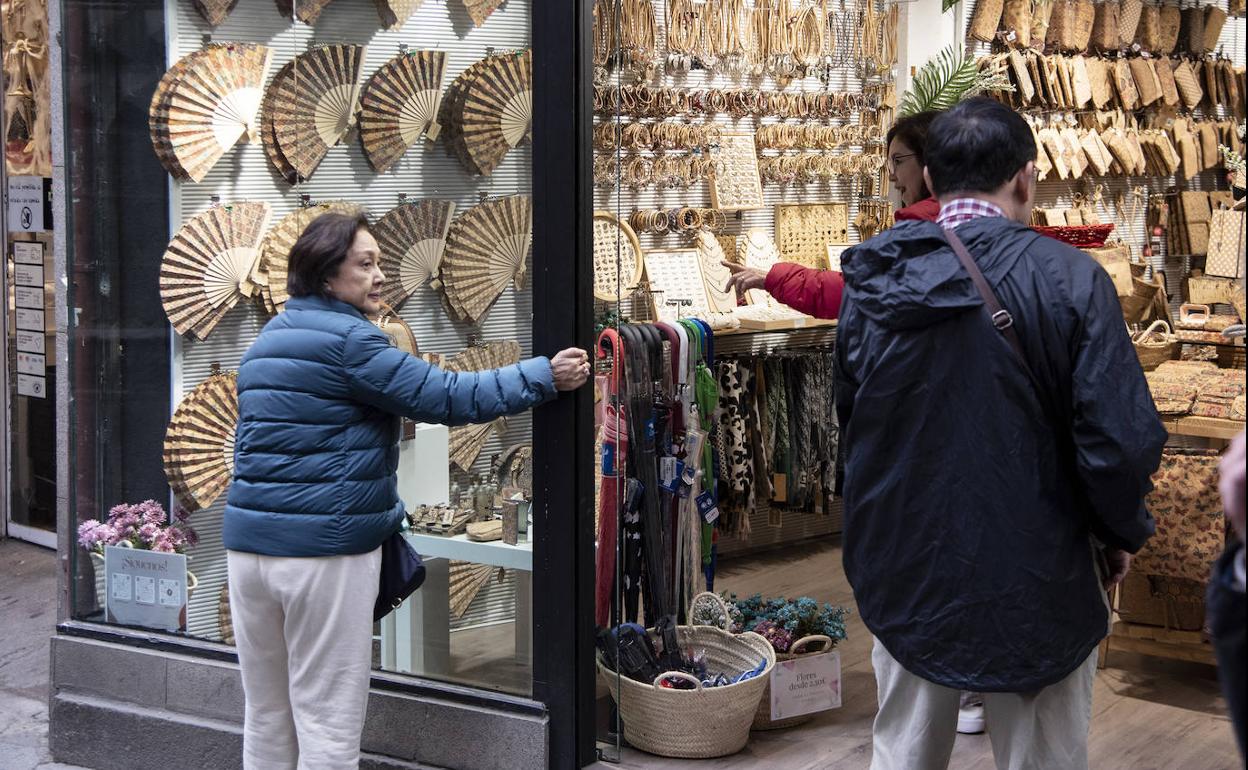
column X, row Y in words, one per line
column 818, row 292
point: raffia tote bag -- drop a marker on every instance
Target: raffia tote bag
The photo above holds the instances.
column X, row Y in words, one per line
column 1192, row 30
column 1128, row 21
column 1191, row 530
column 1105, row 26
column 985, row 19
column 1226, row 244
column 1148, row 32
column 1016, row 20
column 1170, row 21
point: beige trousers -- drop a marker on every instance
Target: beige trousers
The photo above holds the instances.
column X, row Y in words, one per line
column 304, row 632
column 917, row 721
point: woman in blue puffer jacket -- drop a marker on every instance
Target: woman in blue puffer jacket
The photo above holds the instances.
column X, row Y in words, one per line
column 315, row 490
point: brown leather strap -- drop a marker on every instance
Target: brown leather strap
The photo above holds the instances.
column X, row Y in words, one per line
column 1001, row 318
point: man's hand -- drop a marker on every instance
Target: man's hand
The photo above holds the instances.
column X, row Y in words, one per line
column 1119, row 563
column 744, row 278
column 570, row 368
column 1231, row 484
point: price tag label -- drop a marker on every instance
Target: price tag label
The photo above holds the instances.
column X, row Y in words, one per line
column 707, row 508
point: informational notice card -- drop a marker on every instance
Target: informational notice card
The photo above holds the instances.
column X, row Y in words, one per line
column 145, row 588
column 806, row 685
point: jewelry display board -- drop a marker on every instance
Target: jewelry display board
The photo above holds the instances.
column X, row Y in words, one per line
column 757, row 250
column 675, row 276
column 715, row 276
column 618, row 260
column 735, row 185
column 805, row 230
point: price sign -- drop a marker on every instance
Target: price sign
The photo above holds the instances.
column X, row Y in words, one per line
column 31, row 342
column 806, row 685
column 30, row 319
column 28, row 275
column 145, row 588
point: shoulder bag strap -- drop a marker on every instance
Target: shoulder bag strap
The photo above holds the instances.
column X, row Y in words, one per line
column 1001, row 318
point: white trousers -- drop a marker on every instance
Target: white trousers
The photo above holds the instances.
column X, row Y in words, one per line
column 304, row 632
column 917, row 721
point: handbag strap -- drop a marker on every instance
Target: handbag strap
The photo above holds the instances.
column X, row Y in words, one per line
column 1001, row 318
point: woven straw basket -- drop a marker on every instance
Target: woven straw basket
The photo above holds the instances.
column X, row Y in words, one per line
column 702, row 723
column 1156, row 345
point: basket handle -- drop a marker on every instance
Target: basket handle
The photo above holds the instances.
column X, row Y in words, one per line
column 823, row 640
column 1160, row 323
column 723, row 608
column 1189, row 313
column 676, row 675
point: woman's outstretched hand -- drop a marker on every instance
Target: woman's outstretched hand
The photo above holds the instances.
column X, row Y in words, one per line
column 744, row 278
column 570, row 368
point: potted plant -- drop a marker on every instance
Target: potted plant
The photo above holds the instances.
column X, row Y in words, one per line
column 144, row 526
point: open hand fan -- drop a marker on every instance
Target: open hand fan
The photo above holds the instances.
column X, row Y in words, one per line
column 412, row 237
column 199, row 442
column 480, row 10
column 268, row 133
column 466, row 581
column 394, row 12
column 497, row 111
column 273, row 266
column 486, row 249
column 315, row 106
column 466, row 440
column 451, row 111
column 208, row 265
column 206, row 104
column 215, row 11
column 399, row 104
column 307, row 11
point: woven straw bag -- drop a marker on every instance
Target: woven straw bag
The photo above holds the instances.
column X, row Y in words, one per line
column 1226, row 244
column 1165, row 77
column 1085, row 16
column 1215, row 19
column 1061, row 25
column 1148, row 32
column 1156, row 345
column 1189, row 86
column 1016, row 20
column 704, row 722
column 1144, row 73
column 1100, row 81
column 1124, row 84
column 1105, row 26
column 1128, row 21
column 1041, row 15
column 985, row 19
column 1170, row 21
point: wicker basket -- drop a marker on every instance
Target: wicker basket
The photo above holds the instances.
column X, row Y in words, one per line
column 702, row 723
column 1156, row 345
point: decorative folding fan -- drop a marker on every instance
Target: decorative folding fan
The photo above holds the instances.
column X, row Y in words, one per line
column 480, row 10
column 394, row 12
column 273, row 266
column 205, row 104
column 215, row 11
column 412, row 237
column 466, row 581
column 208, row 265
column 466, row 440
column 452, row 107
column 515, row 469
column 486, row 249
column 491, row 110
column 314, row 106
column 399, row 104
column 199, row 442
column 268, row 134
column 307, row 11
column 618, row 259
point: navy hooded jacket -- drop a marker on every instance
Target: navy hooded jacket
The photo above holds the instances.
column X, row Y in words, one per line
column 970, row 490
column 316, row 448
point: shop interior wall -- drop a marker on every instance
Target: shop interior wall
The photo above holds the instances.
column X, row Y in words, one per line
column 424, row 172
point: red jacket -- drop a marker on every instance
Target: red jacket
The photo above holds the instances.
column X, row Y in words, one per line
column 818, row 292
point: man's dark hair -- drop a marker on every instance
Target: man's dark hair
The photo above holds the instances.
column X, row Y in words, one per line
column 320, row 251
column 977, row 146
column 912, row 131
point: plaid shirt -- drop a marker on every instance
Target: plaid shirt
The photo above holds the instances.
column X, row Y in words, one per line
column 962, row 210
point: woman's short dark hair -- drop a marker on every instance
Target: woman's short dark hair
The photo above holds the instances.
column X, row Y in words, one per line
column 912, row 131
column 320, row 251
column 977, row 146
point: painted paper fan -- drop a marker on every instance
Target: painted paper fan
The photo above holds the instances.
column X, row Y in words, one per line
column 412, row 237
column 466, row 581
column 486, row 249
column 211, row 105
column 208, row 265
column 268, row 133
column 158, row 116
column 315, row 106
column 307, row 11
column 480, row 10
column 399, row 104
column 215, row 11
column 273, row 267
column 199, row 442
column 394, row 13
column 497, row 112
column 466, row 441
column 451, row 112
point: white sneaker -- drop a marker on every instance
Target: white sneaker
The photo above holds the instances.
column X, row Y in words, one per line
column 971, row 718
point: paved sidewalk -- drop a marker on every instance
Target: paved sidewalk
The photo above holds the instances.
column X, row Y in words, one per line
column 27, row 618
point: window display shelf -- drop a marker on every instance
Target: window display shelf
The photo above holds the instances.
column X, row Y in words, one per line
column 786, row 325
column 459, row 548
column 1158, row 642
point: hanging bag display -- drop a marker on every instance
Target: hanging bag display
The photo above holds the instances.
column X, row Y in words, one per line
column 1016, row 20
column 1148, row 31
column 1128, row 21
column 1170, row 20
column 1105, row 27
column 1191, row 529
column 985, row 19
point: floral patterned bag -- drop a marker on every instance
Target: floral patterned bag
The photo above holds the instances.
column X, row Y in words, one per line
column 1191, row 530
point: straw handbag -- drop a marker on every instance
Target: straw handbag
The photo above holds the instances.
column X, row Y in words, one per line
column 1215, row 19
column 1165, row 77
column 1105, row 26
column 1016, row 20
column 1191, row 530
column 1041, row 15
column 1192, row 30
column 1148, row 32
column 1128, row 21
column 1170, row 20
column 1226, row 244
column 985, row 19
column 704, row 722
column 1156, row 345
column 1144, row 73
column 1085, row 16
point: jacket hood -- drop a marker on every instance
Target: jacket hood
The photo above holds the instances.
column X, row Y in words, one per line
column 908, row 276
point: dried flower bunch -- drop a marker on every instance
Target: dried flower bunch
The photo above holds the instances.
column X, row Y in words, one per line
column 145, row 526
column 783, row 621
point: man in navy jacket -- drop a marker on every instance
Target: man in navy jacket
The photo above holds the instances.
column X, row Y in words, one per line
column 990, row 498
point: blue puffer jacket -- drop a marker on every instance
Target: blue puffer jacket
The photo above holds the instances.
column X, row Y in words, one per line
column 316, row 449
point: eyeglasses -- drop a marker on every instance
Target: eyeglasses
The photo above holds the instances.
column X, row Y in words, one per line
column 896, row 160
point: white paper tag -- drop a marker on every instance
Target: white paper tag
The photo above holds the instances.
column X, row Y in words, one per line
column 806, row 685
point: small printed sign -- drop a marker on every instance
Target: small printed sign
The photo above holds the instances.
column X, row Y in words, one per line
column 145, row 588
column 30, row 319
column 28, row 252
column 34, row 387
column 28, row 275
column 28, row 296
column 834, row 257
column 806, row 685
column 30, row 202
column 31, row 342
column 32, row 363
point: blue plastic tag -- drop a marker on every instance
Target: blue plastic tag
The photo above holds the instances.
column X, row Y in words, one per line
column 707, row 508
column 608, row 458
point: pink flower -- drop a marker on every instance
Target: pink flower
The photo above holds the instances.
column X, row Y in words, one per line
column 94, row 535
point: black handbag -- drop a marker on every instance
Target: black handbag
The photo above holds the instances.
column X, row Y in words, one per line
column 402, row 572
